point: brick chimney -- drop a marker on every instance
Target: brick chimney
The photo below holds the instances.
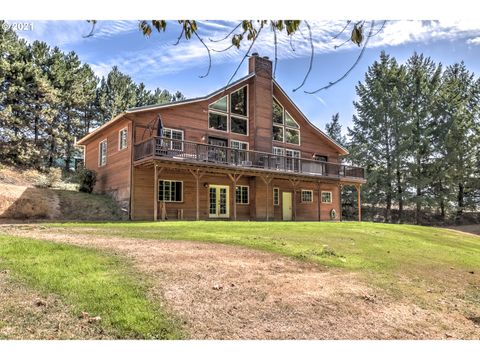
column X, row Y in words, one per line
column 262, row 96
column 262, row 66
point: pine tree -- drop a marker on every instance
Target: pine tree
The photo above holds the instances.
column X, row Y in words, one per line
column 334, row 130
column 419, row 100
column 376, row 137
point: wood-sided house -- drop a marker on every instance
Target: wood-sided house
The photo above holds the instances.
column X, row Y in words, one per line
column 244, row 152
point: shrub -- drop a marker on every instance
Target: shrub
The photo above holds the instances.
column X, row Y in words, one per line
column 87, row 179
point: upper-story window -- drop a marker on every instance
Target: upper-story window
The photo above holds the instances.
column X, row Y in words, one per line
column 285, row 128
column 122, row 139
column 230, row 113
column 102, row 153
column 177, row 138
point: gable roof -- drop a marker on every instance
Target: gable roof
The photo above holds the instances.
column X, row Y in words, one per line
column 342, row 150
column 339, row 147
column 162, row 106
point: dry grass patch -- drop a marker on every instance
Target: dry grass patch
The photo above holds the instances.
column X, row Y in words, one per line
column 28, row 314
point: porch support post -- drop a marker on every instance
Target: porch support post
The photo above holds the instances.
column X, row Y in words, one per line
column 359, row 201
column 340, row 188
column 235, row 177
column 294, row 183
column 155, row 192
column 197, row 175
column 319, row 199
column 267, row 179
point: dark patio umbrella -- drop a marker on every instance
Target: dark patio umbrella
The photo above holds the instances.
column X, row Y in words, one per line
column 160, row 129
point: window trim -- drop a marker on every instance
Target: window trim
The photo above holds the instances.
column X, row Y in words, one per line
column 285, row 126
column 273, row 196
column 295, row 121
column 100, row 152
column 301, row 196
column 230, row 102
column 283, row 112
column 218, row 113
column 283, row 133
column 241, row 142
column 120, row 139
column 285, row 137
column 220, row 98
column 179, row 130
column 331, row 197
column 280, row 148
column 169, row 201
column 248, row 194
column 241, row 118
column 293, row 151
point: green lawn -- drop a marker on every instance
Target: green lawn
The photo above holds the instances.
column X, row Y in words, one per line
column 98, row 283
column 385, row 253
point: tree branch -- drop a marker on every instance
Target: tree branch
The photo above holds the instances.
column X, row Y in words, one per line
column 312, row 55
column 92, row 30
column 379, row 30
column 209, row 54
column 330, row 84
column 341, row 32
column 276, row 45
column 226, row 36
column 179, row 37
column 246, row 55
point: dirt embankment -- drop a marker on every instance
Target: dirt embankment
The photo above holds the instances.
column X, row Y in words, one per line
column 21, row 200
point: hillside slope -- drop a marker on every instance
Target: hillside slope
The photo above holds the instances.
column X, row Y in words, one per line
column 20, row 199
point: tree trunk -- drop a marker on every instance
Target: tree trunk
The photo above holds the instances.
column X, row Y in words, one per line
column 400, row 196
column 418, row 205
column 460, row 200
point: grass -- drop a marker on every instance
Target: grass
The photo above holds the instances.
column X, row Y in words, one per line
column 422, row 257
column 98, row 283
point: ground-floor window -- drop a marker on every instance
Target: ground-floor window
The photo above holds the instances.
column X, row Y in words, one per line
column 327, row 197
column 276, row 196
column 307, row 196
column 170, row 191
column 241, row 194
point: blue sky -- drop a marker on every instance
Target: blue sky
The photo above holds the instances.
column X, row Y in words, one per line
column 157, row 63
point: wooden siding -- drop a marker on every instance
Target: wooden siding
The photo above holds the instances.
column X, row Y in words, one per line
column 114, row 177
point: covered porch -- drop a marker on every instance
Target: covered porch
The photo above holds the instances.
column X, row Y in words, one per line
column 211, row 191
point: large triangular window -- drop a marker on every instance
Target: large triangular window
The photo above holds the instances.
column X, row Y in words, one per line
column 221, row 104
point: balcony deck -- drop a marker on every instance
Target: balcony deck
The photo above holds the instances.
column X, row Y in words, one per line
column 212, row 155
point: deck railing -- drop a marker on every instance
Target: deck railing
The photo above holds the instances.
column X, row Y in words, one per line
column 205, row 153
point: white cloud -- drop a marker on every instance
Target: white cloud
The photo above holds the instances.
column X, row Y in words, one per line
column 474, row 41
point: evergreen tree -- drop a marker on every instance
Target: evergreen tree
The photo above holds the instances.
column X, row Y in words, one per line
column 334, row 130
column 419, row 100
column 376, row 137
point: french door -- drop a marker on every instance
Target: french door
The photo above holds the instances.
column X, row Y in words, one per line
column 218, row 201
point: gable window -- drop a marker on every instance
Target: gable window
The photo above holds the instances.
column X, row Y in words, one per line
column 238, row 125
column 122, row 139
column 102, row 153
column 177, row 138
column 327, row 197
column 230, row 113
column 285, row 128
column 307, row 196
column 292, row 136
column 217, row 121
column 170, row 191
column 276, row 196
column 238, row 102
column 220, row 104
column 278, row 133
column 290, row 122
column 277, row 116
column 241, row 195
